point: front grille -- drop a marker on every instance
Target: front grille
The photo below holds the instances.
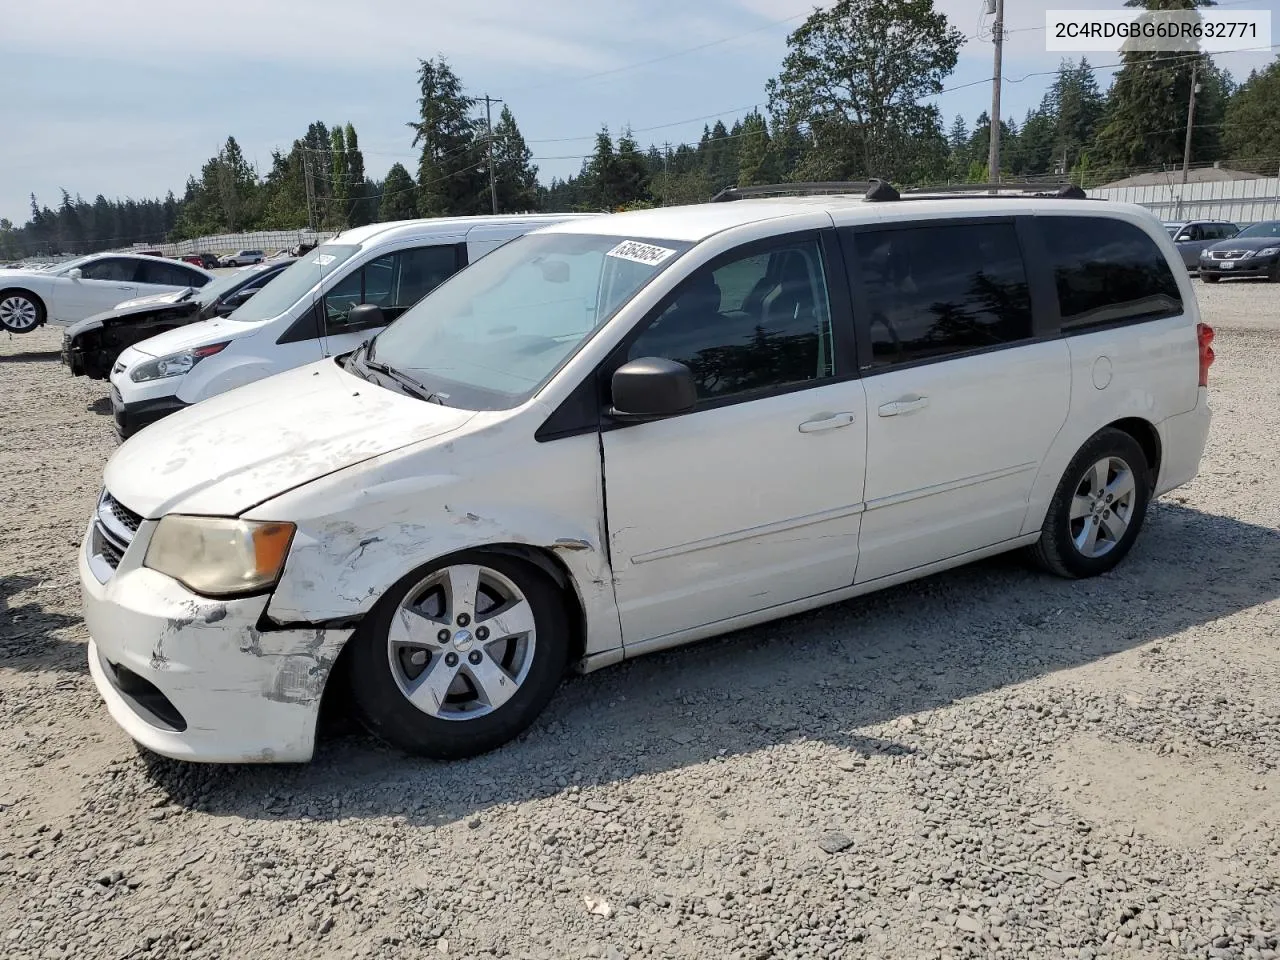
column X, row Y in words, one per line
column 114, row 526
column 1228, row 254
column 128, row 519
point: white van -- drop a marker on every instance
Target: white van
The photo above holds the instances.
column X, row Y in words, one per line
column 622, row 434
column 305, row 313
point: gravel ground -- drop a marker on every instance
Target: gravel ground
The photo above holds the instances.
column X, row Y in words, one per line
column 987, row 763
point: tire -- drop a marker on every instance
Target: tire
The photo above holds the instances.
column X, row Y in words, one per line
column 1064, row 545
column 20, row 311
column 417, row 632
column 1209, row 278
column 1274, row 273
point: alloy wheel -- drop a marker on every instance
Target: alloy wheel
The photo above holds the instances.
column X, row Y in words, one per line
column 1102, row 507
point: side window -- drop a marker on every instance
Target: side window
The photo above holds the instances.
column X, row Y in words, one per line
column 753, row 323
column 934, row 291
column 193, row 279
column 394, row 281
column 117, row 269
column 1107, row 271
column 166, row 274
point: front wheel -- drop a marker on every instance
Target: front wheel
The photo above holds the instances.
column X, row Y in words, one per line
column 1098, row 508
column 1209, row 277
column 1274, row 273
column 460, row 657
column 20, row 312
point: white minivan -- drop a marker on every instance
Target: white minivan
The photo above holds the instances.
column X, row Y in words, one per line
column 617, row 435
column 306, row 313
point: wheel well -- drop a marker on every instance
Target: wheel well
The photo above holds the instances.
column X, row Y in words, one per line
column 550, row 564
column 1148, row 438
column 35, row 297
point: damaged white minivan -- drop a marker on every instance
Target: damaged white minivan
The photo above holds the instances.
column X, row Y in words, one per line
column 620, row 434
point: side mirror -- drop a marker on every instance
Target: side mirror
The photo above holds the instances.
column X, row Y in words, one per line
column 75, row 273
column 1182, row 238
column 230, row 303
column 651, row 388
column 365, row 315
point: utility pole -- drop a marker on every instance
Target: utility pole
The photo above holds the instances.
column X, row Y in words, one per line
column 997, row 36
column 1191, row 116
column 488, row 123
column 666, row 170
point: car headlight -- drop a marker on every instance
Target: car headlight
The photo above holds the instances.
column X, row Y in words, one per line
column 1267, row 252
column 217, row 556
column 1204, row 254
column 175, row 364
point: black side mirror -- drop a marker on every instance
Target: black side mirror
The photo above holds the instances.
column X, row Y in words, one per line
column 365, row 315
column 651, row 388
column 232, row 301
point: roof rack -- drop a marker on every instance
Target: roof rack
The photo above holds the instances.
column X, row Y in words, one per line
column 881, row 190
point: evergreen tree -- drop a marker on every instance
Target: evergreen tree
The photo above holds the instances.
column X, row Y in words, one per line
column 399, row 200
column 1251, row 128
column 517, row 177
column 450, row 181
column 339, row 185
column 359, row 212
column 604, row 175
column 755, row 161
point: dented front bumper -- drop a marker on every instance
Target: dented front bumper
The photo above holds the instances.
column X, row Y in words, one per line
column 196, row 679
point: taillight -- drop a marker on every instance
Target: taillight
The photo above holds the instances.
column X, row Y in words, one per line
column 1204, row 337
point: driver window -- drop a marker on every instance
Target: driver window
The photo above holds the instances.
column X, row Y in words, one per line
column 754, row 323
column 115, row 269
column 394, row 282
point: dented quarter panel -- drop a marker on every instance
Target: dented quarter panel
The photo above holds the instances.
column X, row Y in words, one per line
column 361, row 529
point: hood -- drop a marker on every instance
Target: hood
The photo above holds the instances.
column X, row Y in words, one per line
column 129, row 308
column 226, row 454
column 194, row 335
column 172, row 296
column 1245, row 243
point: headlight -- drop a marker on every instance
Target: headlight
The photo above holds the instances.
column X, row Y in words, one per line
column 1268, row 252
column 219, row 557
column 174, row 365
column 1204, row 254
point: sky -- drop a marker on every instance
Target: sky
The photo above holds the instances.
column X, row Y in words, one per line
column 130, row 98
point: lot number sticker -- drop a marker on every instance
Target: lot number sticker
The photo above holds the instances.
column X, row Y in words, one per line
column 324, row 259
column 640, row 252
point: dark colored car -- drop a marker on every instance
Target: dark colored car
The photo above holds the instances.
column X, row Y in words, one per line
column 210, row 261
column 1253, row 252
column 91, row 347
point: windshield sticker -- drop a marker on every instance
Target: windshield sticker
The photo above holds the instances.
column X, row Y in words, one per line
column 324, row 259
column 638, row 252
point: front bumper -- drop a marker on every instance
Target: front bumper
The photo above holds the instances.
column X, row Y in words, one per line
column 72, row 356
column 129, row 418
column 193, row 678
column 1253, row 267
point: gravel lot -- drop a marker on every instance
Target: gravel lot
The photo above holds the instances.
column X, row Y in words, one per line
column 987, row 763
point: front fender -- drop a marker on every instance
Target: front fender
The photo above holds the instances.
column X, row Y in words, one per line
column 370, row 529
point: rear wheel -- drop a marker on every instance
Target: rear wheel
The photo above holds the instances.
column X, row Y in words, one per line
column 460, row 657
column 1274, row 273
column 20, row 311
column 1098, row 508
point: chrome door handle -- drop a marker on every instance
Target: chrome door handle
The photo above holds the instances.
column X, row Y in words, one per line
column 903, row 405
column 828, row 422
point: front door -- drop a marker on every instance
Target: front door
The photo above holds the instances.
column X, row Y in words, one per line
column 962, row 400
column 753, row 499
column 394, row 282
column 103, row 283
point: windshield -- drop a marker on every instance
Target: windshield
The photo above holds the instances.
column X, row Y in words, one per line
column 490, row 337
column 294, row 283
column 62, row 268
column 1268, row 228
column 212, row 290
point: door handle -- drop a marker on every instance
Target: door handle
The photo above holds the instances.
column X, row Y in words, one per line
column 828, row 422
column 903, row 406
column 124, row 288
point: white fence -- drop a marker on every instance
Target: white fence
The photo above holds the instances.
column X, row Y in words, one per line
column 1240, row 201
column 267, row 241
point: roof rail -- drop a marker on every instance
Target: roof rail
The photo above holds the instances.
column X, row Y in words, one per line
column 1063, row 191
column 801, row 189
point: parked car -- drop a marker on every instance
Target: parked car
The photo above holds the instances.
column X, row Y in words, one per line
column 92, row 346
column 620, row 434
column 1194, row 236
column 195, row 259
column 1253, row 252
column 210, row 261
column 307, row 312
column 242, row 258
column 80, row 288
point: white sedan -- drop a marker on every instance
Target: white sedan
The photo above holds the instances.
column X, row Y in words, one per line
column 69, row 292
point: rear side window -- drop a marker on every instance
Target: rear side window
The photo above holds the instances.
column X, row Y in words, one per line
column 937, row 290
column 1107, row 271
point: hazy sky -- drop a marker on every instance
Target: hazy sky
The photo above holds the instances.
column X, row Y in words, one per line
column 128, row 98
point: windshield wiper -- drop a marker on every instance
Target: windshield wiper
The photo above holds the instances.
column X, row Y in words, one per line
column 407, row 383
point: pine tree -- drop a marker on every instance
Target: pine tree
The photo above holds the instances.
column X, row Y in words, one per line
column 1251, row 128
column 358, row 212
column 399, row 200
column 755, row 161
column 517, row 177
column 450, row 181
column 604, row 175
column 339, row 191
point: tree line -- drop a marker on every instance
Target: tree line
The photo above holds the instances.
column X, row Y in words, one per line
column 850, row 102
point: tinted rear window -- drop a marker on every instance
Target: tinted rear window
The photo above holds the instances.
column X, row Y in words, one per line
column 1108, row 271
